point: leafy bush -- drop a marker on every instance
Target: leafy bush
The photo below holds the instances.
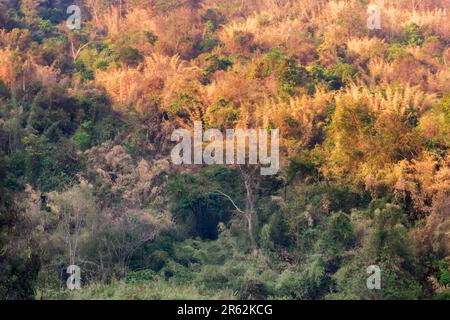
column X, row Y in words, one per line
column 413, row 35
column 130, row 56
column 134, row 277
column 306, row 285
column 4, row 91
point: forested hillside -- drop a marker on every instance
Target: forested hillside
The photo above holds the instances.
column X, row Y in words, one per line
column 86, row 177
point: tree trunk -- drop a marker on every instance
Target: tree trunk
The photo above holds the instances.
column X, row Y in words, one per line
column 250, row 211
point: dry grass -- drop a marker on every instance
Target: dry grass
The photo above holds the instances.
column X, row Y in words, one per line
column 159, row 75
column 298, row 115
column 399, row 100
column 253, row 27
column 16, row 73
column 8, row 66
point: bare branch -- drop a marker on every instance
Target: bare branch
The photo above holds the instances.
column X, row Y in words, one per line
column 220, row 193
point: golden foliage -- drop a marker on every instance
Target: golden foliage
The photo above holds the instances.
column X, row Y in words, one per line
column 158, row 76
column 178, row 32
column 8, row 66
column 422, row 180
column 121, row 84
column 373, row 131
column 397, row 99
column 16, row 73
column 299, row 119
column 47, row 75
column 367, row 48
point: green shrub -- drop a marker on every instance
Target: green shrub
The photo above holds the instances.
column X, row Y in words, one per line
column 254, row 289
column 310, row 284
column 134, row 277
column 4, row 91
column 158, row 260
column 213, row 277
column 413, row 35
column 279, row 230
column 82, row 137
column 444, row 273
column 344, row 72
column 130, row 56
